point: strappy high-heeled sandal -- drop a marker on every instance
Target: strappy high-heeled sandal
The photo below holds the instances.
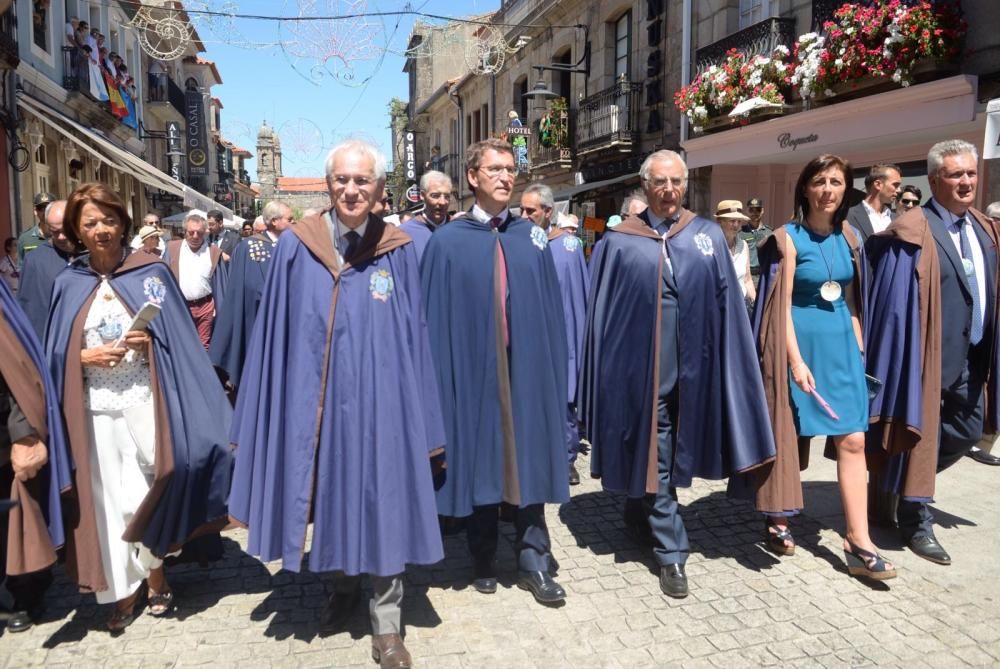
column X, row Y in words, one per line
column 865, row 563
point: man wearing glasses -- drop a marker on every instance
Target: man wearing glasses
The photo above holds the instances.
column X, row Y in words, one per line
column 670, row 386
column 496, row 323
column 201, row 273
column 435, row 191
column 909, row 197
column 338, row 413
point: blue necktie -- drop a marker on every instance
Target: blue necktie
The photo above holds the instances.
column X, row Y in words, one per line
column 976, row 332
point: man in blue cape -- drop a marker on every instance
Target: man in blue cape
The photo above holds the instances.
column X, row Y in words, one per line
column 435, row 191
column 248, row 269
column 670, row 387
column 187, row 498
column 496, row 324
column 338, row 415
column 41, row 267
column 34, row 468
column 932, row 340
column 538, row 205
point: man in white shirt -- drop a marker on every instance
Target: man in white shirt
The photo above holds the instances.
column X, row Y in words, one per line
column 202, row 277
column 874, row 214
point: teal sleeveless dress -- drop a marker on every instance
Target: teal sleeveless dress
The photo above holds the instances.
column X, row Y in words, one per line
column 826, row 337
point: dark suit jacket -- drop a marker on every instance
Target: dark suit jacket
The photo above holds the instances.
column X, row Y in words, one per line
column 227, row 241
column 956, row 298
column 858, row 217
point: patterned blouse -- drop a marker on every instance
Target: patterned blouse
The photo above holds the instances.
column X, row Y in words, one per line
column 127, row 384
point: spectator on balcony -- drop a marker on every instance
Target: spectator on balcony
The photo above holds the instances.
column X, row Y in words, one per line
column 692, row 404
column 538, row 205
column 201, row 273
column 69, row 38
column 221, row 236
column 908, row 198
column 503, row 389
column 435, row 191
column 874, row 213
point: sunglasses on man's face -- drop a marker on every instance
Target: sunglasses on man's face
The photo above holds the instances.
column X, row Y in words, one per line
column 906, row 202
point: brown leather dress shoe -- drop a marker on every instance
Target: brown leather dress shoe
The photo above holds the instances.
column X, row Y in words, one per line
column 390, row 653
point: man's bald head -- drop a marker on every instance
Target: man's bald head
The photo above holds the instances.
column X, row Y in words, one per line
column 54, row 215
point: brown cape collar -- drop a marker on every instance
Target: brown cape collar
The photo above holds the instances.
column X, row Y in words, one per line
column 639, row 225
column 378, row 240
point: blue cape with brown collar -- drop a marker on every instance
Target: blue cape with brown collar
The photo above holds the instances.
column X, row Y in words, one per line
column 504, row 406
column 722, row 423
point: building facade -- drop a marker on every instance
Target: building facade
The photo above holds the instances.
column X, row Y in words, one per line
column 609, row 70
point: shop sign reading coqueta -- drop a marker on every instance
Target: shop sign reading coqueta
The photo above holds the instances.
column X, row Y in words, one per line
column 786, row 141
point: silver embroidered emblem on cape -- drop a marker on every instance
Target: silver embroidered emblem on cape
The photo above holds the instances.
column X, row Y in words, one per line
column 539, row 238
column 704, row 244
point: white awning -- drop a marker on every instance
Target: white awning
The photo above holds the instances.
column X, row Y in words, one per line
column 102, row 148
column 196, row 200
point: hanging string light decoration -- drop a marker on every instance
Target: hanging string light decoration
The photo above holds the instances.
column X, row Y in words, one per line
column 301, row 138
column 336, row 47
column 486, row 53
column 164, row 32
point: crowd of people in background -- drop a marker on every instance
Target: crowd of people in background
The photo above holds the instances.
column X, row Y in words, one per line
column 101, row 73
column 387, row 378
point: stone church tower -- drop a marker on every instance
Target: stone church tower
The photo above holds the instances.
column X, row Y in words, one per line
column 268, row 161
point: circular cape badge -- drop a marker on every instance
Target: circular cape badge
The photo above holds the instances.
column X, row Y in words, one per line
column 539, row 238
column 381, row 285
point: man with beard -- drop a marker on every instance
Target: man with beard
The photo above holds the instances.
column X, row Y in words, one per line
column 538, row 205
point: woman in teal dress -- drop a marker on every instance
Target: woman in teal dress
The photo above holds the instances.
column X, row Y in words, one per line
column 811, row 347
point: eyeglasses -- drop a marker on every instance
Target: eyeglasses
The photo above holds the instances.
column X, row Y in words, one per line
column 360, row 182
column 494, row 171
column 907, row 202
column 663, row 182
column 194, row 233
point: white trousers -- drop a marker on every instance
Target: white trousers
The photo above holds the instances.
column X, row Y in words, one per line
column 117, row 461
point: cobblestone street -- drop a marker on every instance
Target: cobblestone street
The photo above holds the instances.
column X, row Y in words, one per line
column 746, row 607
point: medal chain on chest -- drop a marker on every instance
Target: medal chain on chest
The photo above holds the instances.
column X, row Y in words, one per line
column 830, row 290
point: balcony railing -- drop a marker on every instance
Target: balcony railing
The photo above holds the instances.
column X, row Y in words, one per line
column 163, row 89
column 760, row 39
column 8, row 39
column 609, row 119
column 552, row 156
column 822, row 11
column 244, row 178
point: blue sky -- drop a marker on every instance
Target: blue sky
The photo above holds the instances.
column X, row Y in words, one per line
column 312, row 109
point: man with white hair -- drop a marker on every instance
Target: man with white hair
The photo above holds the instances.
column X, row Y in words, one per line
column 538, row 205
column 691, row 402
column 201, row 272
column 338, row 413
column 435, row 191
column 932, row 339
column 259, row 226
column 247, row 271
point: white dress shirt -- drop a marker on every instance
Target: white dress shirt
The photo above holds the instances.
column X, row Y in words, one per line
column 480, row 214
column 879, row 220
column 195, row 270
column 951, row 223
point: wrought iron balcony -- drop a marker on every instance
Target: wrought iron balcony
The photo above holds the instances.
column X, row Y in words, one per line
column 163, row 89
column 244, row 178
column 609, row 119
column 552, row 156
column 560, row 155
column 8, row 40
column 760, row 39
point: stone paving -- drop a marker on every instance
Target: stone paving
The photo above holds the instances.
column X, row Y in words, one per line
column 746, row 608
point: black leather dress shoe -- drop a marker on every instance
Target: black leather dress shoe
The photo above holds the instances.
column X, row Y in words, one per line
column 928, row 548
column 485, row 578
column 574, row 476
column 984, row 457
column 541, row 585
column 673, row 581
column 338, row 610
column 19, row 621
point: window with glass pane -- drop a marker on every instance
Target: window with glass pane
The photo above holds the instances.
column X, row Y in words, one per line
column 623, row 44
column 752, row 11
